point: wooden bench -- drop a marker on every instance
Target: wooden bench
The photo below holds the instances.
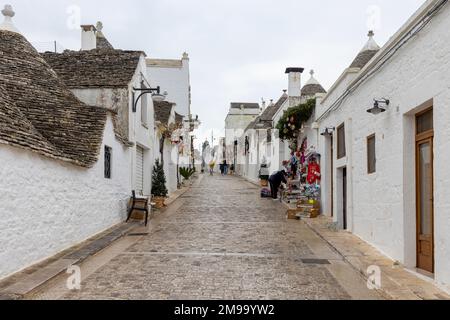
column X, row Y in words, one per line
column 139, row 204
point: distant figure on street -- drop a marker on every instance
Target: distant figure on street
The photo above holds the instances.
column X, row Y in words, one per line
column 212, row 164
column 232, row 169
column 275, row 181
column 225, row 167
column 294, row 165
column 222, row 168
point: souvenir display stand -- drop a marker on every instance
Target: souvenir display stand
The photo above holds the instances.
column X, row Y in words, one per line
column 302, row 194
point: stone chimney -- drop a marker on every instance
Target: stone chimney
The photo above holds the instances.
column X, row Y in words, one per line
column 295, row 81
column 88, row 37
column 7, row 24
column 185, row 60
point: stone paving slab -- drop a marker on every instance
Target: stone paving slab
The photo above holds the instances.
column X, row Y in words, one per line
column 193, row 277
column 39, row 277
column 26, row 283
column 220, row 241
column 237, row 238
column 397, row 282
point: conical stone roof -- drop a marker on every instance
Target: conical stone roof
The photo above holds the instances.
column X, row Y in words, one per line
column 312, row 87
column 367, row 52
column 38, row 112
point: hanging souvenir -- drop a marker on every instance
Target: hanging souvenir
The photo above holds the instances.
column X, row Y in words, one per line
column 314, row 174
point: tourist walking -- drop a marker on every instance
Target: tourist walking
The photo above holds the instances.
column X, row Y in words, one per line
column 212, row 164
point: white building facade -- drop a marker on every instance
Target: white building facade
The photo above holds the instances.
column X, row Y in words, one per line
column 167, row 142
column 386, row 176
column 240, row 115
column 65, row 173
column 173, row 78
column 264, row 147
column 107, row 78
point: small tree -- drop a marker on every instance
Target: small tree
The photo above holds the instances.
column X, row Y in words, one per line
column 159, row 180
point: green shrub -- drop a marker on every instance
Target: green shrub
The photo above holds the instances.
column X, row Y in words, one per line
column 187, row 173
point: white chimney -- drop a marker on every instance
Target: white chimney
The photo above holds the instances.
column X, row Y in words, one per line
column 7, row 24
column 185, row 60
column 88, row 37
column 295, row 81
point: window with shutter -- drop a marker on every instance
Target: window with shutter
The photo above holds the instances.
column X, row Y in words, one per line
column 371, row 154
column 341, row 152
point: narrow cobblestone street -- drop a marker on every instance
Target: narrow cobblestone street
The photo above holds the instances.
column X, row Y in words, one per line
column 218, row 241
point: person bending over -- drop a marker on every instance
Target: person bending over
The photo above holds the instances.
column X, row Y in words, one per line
column 275, row 181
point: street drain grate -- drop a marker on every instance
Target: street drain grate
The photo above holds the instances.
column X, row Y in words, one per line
column 137, row 234
column 315, row 261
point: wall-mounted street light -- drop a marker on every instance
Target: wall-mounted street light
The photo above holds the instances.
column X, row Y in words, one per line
column 377, row 109
column 155, row 92
column 328, row 132
column 194, row 123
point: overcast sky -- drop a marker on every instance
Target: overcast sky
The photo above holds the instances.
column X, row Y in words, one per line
column 239, row 49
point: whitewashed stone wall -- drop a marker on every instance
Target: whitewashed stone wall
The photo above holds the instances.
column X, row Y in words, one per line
column 176, row 81
column 47, row 206
column 236, row 122
column 381, row 207
column 170, row 162
column 140, row 133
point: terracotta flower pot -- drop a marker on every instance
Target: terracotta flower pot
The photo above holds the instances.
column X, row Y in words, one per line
column 159, row 202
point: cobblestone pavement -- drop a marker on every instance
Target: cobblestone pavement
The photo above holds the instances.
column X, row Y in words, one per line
column 222, row 241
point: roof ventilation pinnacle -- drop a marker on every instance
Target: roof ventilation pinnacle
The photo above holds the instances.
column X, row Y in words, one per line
column 312, row 80
column 371, row 44
column 99, row 26
column 102, row 42
column 7, row 24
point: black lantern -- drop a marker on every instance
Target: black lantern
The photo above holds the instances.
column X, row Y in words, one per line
column 377, row 109
column 328, row 132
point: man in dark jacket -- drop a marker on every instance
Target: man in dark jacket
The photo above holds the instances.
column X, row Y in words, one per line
column 275, row 181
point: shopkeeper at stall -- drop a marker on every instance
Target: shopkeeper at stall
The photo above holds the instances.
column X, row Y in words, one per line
column 275, row 181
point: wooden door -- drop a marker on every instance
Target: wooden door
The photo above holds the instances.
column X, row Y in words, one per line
column 425, row 193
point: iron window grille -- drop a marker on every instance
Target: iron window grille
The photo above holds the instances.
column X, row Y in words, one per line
column 108, row 157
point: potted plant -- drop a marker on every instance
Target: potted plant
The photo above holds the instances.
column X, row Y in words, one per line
column 159, row 190
column 187, row 173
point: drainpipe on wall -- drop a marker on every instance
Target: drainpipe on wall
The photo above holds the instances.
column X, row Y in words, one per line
column 350, row 175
